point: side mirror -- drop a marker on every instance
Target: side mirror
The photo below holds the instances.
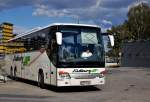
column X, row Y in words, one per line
column 59, row 38
column 111, row 38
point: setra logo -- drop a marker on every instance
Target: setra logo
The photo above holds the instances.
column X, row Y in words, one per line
column 84, row 70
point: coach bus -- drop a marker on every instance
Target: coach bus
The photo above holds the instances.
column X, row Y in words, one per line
column 59, row 54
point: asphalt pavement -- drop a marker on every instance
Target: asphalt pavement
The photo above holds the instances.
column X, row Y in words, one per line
column 122, row 85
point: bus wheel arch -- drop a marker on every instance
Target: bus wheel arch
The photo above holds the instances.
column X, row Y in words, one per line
column 41, row 78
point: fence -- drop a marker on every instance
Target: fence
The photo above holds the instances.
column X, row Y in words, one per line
column 136, row 54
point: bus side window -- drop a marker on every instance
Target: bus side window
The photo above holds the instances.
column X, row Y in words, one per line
column 52, row 48
column 53, row 51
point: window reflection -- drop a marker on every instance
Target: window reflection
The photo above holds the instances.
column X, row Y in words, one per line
column 73, row 47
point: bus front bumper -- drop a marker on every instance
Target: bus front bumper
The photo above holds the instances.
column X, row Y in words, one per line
column 81, row 82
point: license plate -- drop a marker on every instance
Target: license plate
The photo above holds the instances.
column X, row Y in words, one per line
column 85, row 82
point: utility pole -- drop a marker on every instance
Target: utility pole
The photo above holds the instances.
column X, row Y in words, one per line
column 77, row 19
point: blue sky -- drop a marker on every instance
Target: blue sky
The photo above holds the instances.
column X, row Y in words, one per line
column 27, row 14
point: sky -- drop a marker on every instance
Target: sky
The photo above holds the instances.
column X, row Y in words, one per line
column 28, row 14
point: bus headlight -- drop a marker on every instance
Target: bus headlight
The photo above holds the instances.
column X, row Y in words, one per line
column 102, row 74
column 64, row 75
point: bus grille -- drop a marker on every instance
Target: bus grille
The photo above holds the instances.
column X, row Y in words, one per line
column 84, row 76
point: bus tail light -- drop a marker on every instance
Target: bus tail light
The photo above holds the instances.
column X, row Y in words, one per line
column 64, row 75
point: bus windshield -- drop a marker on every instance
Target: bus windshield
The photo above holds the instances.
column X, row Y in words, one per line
column 81, row 47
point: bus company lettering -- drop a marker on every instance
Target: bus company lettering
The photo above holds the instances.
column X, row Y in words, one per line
column 84, row 70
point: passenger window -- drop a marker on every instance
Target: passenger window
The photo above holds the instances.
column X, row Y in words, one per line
column 52, row 48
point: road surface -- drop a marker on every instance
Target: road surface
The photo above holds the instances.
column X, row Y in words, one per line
column 122, row 85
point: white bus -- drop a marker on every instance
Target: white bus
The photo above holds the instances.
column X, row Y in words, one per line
column 61, row 55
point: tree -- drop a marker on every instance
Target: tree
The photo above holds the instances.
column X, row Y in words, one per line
column 136, row 27
column 139, row 21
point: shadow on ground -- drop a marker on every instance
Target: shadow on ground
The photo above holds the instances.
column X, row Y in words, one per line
column 72, row 89
column 22, row 96
column 61, row 89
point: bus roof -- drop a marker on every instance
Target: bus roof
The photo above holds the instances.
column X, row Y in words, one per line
column 74, row 24
column 54, row 24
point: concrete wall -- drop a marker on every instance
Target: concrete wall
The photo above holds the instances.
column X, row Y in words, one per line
column 136, row 54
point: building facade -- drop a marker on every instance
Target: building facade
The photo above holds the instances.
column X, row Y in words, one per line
column 6, row 33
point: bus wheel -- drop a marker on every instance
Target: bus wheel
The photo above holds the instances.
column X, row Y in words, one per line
column 15, row 71
column 41, row 79
column 11, row 72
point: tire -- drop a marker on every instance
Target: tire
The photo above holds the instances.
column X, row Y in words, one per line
column 15, row 75
column 41, row 80
column 11, row 72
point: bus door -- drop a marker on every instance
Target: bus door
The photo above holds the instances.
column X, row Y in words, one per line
column 53, row 57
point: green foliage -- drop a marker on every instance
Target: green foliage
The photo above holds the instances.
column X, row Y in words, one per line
column 139, row 21
column 136, row 27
